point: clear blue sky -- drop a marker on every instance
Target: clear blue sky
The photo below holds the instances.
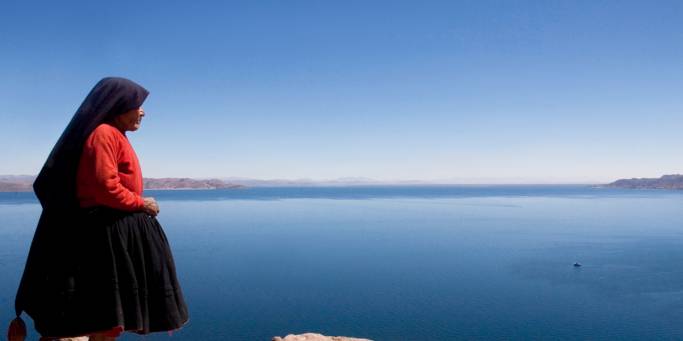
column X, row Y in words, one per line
column 471, row 91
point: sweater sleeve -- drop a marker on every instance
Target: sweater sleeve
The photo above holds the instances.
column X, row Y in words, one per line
column 101, row 151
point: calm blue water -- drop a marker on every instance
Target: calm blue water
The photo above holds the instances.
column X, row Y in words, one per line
column 411, row 263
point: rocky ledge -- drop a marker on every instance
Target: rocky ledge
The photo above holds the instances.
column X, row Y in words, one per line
column 316, row 337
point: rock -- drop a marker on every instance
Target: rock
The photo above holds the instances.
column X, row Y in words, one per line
column 316, row 337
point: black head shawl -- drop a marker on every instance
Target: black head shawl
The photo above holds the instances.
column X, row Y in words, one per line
column 55, row 187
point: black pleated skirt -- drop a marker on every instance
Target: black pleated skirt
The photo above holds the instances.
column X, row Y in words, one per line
column 119, row 271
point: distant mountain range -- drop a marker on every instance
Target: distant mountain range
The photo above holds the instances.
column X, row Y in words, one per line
column 674, row 181
column 187, row 183
column 24, row 183
column 16, row 183
column 346, row 181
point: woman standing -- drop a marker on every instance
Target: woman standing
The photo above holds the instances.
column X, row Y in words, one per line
column 99, row 263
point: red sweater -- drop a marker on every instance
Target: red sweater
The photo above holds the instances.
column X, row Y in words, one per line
column 109, row 171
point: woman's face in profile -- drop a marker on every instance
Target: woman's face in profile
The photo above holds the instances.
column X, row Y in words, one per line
column 130, row 120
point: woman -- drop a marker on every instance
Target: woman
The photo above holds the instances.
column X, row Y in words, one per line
column 99, row 263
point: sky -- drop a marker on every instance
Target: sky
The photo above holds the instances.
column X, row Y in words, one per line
column 445, row 91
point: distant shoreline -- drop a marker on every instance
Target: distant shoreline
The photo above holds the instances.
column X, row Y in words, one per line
column 14, row 188
column 665, row 182
column 24, row 183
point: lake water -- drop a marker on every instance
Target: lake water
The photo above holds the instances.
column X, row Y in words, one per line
column 410, row 262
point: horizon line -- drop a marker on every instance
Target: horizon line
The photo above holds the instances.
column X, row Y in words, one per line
column 372, row 181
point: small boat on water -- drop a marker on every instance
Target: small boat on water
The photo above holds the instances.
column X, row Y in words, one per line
column 577, row 264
